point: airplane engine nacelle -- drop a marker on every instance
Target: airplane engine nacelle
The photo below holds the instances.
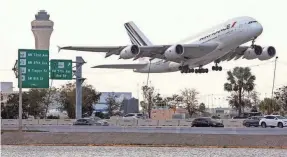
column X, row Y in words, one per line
column 174, row 52
column 268, row 53
column 129, row 52
column 252, row 53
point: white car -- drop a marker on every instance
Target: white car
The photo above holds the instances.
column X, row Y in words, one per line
column 273, row 121
column 133, row 116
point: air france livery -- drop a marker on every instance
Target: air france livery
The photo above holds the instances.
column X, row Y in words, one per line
column 223, row 42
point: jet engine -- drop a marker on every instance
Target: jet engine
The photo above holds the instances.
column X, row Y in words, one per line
column 174, row 52
column 129, row 52
column 253, row 52
column 268, row 52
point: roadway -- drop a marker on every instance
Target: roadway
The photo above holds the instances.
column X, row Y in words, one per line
column 190, row 130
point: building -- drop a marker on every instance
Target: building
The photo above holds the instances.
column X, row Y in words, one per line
column 6, row 87
column 130, row 104
column 42, row 28
column 165, row 113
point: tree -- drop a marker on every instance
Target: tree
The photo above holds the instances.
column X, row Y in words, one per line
column 189, row 97
column 144, row 106
column 113, row 105
column 254, row 109
column 281, row 97
column 148, row 96
column 269, row 105
column 240, row 81
column 90, row 97
column 11, row 109
column 254, row 98
column 67, row 99
column 37, row 102
column 201, row 107
column 159, row 101
column 51, row 97
column 174, row 100
column 233, row 101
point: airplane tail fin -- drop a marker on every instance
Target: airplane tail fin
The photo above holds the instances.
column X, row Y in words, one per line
column 136, row 35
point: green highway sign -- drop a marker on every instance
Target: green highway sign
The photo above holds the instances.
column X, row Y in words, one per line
column 34, row 65
column 61, row 69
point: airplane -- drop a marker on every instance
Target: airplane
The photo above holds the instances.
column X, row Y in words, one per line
column 217, row 44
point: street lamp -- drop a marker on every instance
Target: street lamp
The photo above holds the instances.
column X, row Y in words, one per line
column 274, row 74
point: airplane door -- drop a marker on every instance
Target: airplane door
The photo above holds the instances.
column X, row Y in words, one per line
column 240, row 28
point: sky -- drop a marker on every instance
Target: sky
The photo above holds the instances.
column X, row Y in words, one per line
column 100, row 23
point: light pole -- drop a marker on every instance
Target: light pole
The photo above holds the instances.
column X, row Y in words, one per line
column 274, row 74
column 20, row 100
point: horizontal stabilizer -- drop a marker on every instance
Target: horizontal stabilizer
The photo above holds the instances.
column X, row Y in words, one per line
column 121, row 66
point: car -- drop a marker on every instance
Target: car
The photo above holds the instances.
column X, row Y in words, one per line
column 102, row 123
column 83, row 121
column 206, row 122
column 252, row 121
column 133, row 116
column 273, row 121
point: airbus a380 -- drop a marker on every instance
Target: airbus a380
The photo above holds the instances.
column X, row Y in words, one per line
column 220, row 43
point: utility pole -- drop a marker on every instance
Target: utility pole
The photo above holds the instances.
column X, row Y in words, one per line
column 79, row 80
column 138, row 95
column 212, row 104
column 20, row 100
column 148, row 73
column 274, row 74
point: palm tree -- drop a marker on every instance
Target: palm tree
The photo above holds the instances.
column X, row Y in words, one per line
column 240, row 80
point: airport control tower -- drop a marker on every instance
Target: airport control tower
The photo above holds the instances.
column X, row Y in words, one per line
column 42, row 28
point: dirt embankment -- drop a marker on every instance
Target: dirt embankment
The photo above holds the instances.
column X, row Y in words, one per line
column 143, row 139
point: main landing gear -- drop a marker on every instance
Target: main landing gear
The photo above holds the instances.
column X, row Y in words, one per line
column 216, row 67
column 186, row 69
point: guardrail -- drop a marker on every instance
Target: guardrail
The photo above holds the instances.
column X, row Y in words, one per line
column 120, row 122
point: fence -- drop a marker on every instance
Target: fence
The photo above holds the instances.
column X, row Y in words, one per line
column 120, row 122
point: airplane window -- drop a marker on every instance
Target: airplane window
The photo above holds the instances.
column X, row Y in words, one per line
column 252, row 22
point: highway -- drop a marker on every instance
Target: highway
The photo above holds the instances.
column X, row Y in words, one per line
column 190, row 130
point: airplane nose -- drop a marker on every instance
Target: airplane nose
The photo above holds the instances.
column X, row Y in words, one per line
column 258, row 29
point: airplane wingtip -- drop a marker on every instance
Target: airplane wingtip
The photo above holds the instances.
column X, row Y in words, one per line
column 59, row 48
column 94, row 66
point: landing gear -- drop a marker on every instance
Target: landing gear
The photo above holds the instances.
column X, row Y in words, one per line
column 186, row 69
column 201, row 70
column 253, row 41
column 216, row 67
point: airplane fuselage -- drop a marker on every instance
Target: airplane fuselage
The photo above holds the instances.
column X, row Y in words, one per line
column 228, row 35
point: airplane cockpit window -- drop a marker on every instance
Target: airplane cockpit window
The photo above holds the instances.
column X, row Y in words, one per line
column 252, row 22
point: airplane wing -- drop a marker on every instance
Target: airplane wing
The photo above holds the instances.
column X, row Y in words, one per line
column 121, row 66
column 235, row 54
column 152, row 51
column 110, row 50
